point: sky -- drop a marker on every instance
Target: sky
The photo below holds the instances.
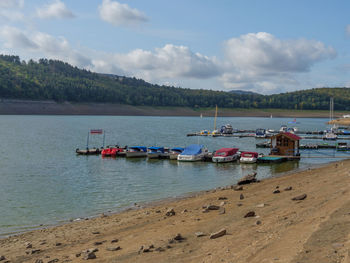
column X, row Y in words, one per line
column 265, row 46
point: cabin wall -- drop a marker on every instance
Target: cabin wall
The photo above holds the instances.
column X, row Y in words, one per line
column 285, row 146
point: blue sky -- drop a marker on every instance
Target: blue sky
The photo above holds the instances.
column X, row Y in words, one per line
column 266, row 46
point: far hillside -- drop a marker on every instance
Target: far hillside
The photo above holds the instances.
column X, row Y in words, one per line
column 59, row 81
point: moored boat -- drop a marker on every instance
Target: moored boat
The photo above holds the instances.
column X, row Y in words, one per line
column 248, row 157
column 157, row 152
column 260, row 133
column 136, row 151
column 174, row 152
column 193, row 153
column 88, row 151
column 225, row 155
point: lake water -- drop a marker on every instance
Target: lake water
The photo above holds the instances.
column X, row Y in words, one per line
column 42, row 181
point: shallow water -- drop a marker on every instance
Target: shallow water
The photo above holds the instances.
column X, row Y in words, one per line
column 44, row 182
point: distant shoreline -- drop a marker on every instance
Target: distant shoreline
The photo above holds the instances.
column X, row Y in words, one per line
column 32, row 107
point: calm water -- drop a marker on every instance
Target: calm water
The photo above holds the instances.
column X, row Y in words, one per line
column 42, row 181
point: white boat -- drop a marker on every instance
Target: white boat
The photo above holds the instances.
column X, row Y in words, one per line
column 260, row 133
column 283, row 128
column 225, row 155
column 174, row 152
column 248, row 157
column 193, row 153
column 226, row 129
column 136, row 151
column 330, row 135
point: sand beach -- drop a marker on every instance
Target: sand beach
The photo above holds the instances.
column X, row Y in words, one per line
column 258, row 223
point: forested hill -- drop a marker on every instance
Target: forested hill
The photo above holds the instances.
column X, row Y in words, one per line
column 59, row 81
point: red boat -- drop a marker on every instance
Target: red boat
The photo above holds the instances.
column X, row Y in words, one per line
column 112, row 151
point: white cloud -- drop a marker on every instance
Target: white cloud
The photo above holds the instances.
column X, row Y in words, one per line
column 11, row 3
column 259, row 59
column 56, row 9
column 43, row 45
column 11, row 15
column 347, row 30
column 167, row 62
column 120, row 14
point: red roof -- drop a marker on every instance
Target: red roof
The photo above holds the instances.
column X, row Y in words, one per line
column 290, row 136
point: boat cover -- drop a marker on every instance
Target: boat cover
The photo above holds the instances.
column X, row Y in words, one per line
column 226, row 152
column 155, row 149
column 249, row 154
column 141, row 148
column 193, row 149
column 177, row 149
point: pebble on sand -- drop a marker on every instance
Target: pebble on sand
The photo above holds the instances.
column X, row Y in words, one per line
column 218, row 234
column 299, row 197
column 249, row 214
column 170, row 212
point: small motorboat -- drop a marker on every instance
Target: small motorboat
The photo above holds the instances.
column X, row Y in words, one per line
column 226, row 129
column 225, row 155
column 260, row 133
column 136, row 151
column 109, row 152
column 283, row 128
column 174, row 152
column 193, row 153
column 248, row 157
column 157, row 152
column 330, row 135
column 113, row 151
column 88, row 151
column 342, row 146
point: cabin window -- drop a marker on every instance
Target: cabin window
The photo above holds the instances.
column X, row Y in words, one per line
column 285, row 142
column 279, row 142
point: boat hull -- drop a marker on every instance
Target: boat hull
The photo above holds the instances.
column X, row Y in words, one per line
column 224, row 159
column 136, row 154
column 247, row 160
column 190, row 158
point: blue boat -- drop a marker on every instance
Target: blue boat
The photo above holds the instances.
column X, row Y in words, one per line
column 155, row 152
column 192, row 153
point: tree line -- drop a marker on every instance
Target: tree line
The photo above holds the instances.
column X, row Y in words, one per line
column 56, row 80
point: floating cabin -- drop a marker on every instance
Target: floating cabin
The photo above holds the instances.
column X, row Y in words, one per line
column 284, row 147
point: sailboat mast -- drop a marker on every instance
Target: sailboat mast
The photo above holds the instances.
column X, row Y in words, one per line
column 216, row 114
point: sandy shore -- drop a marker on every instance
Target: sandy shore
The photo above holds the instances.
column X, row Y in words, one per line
column 316, row 229
column 30, row 107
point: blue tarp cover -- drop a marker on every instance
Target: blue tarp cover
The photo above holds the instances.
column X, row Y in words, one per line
column 192, row 149
column 178, row 149
column 141, row 148
column 154, row 149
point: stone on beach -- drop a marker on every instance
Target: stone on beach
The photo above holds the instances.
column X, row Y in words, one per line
column 238, row 188
column 213, row 207
column 170, row 212
column 199, row 234
column 89, row 255
column 113, row 248
column 2, row 258
column 241, row 197
column 250, row 178
column 222, row 198
column 114, row 240
column 249, row 214
column 39, row 261
column 218, row 234
column 276, row 191
column 289, row 188
column 299, row 197
column 222, row 211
